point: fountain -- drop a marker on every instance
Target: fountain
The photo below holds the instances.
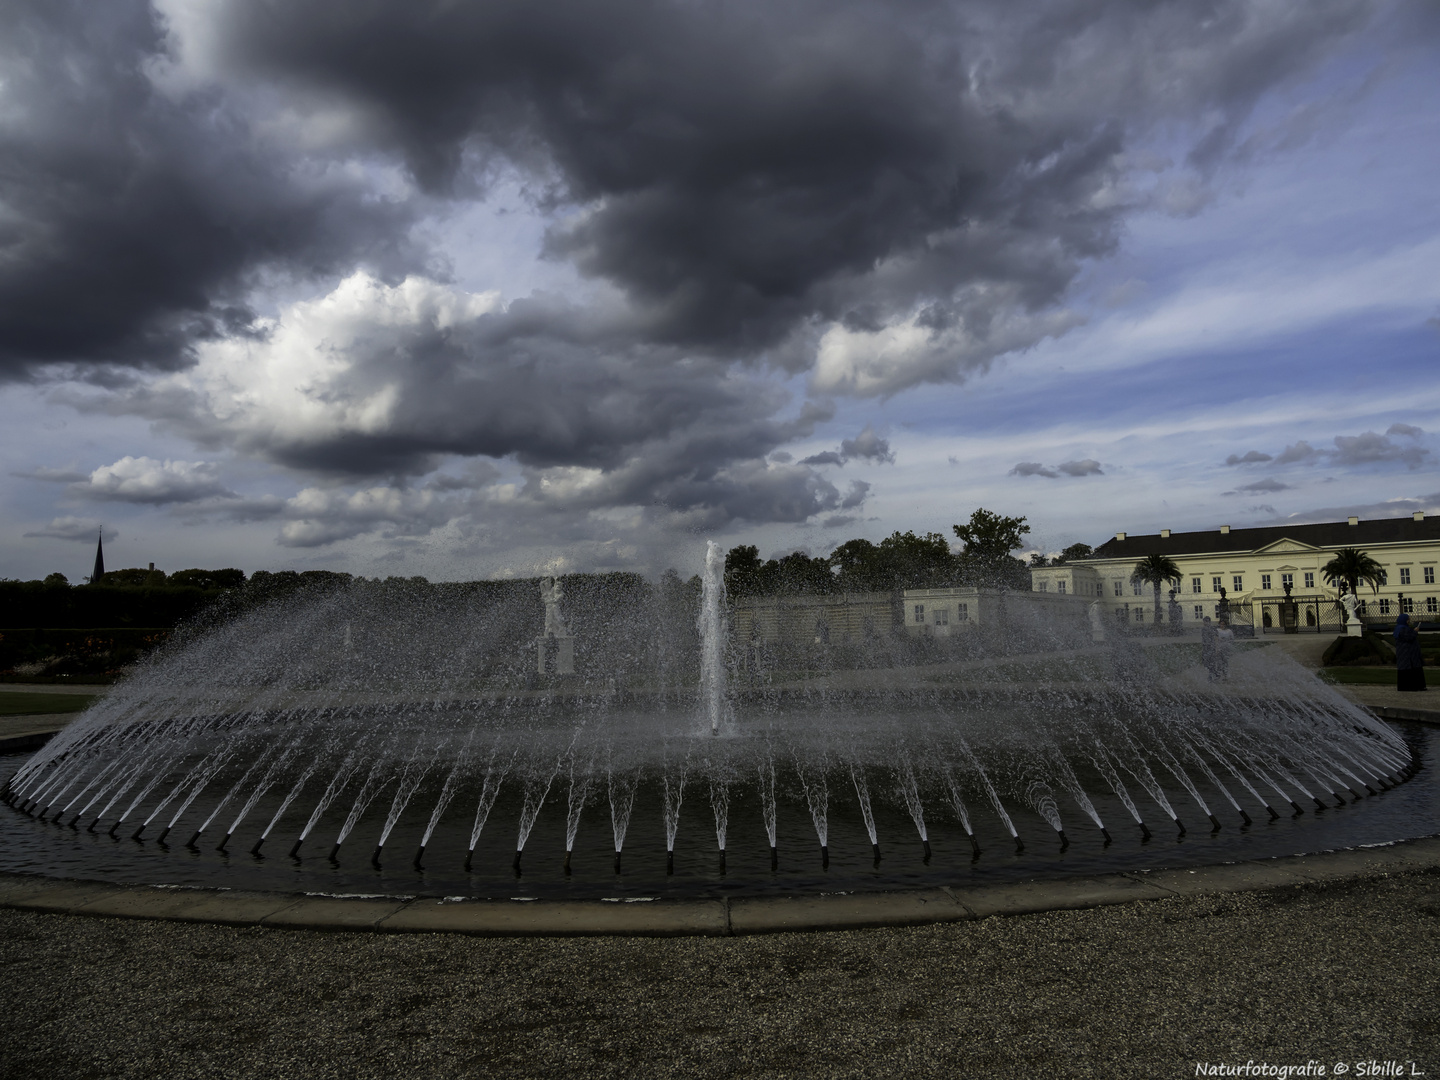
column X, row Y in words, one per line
column 406, row 714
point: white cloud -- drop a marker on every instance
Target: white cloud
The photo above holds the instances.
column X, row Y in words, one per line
column 145, row 480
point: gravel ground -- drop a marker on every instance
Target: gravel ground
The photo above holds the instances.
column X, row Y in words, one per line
column 1347, row 972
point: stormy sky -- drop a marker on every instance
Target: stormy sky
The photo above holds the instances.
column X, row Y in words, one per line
column 480, row 288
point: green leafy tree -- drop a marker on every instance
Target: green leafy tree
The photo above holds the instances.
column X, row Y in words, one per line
column 1038, row 560
column 1156, row 570
column 135, row 577
column 800, row 573
column 857, row 565
column 743, row 569
column 1352, row 566
column 908, row 561
column 1071, row 553
column 209, row 579
column 989, row 538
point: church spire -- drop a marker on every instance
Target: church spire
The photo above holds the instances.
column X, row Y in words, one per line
column 99, row 559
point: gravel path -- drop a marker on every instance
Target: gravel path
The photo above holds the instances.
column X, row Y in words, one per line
column 1343, row 972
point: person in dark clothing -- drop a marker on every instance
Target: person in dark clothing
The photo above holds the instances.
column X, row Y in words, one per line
column 1409, row 664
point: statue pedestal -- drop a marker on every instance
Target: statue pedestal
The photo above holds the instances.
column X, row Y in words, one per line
column 1354, row 628
column 555, row 655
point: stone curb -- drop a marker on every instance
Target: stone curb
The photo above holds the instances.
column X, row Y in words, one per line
column 33, row 740
column 708, row 918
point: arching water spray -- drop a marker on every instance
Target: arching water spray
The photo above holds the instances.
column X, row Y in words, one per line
column 766, row 778
column 862, row 791
column 673, row 776
column 910, row 794
column 620, row 784
column 817, row 797
column 1041, row 799
column 496, row 770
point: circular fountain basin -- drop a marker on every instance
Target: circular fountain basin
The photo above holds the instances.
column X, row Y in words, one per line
column 277, row 757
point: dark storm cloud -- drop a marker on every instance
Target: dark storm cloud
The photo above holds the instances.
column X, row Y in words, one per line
column 1371, row 447
column 867, row 446
column 883, row 193
column 1368, row 448
column 744, row 168
column 1269, row 484
column 132, row 226
column 1299, row 453
column 1250, row 457
column 1083, row 467
column 749, row 167
column 1033, row 468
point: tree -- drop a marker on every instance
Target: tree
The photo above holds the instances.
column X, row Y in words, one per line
column 1071, row 553
column 229, row 578
column 989, row 538
column 991, row 534
column 1352, row 566
column 1156, row 570
column 916, row 562
column 857, row 566
column 742, row 570
column 1038, row 560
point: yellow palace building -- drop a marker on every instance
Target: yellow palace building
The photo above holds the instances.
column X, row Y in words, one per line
column 1253, row 567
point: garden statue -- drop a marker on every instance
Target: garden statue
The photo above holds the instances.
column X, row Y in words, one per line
column 556, row 644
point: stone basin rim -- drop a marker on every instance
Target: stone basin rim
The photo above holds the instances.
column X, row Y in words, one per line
column 723, row 917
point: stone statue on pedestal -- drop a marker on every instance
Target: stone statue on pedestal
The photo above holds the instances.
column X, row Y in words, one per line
column 1353, row 626
column 1097, row 622
column 556, row 644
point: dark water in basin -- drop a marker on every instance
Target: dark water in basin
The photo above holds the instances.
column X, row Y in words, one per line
column 31, row 846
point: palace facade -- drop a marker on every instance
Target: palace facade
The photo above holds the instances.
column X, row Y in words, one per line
column 1250, row 569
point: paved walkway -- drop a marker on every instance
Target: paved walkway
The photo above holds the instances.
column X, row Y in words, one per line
column 1305, row 973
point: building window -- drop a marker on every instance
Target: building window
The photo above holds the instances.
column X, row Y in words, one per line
column 1215, row 585
column 1060, row 587
column 962, row 613
column 1119, row 588
column 1139, row 614
column 942, row 616
column 1199, row 612
column 1264, row 582
column 1309, row 579
column 1405, row 575
column 1287, row 581
column 1430, row 608
column 1237, row 583
column 1137, row 588
column 1042, row 586
column 1429, row 575
column 1384, row 607
column 919, row 612
column 1360, row 607
column 1195, row 585
column 1407, row 605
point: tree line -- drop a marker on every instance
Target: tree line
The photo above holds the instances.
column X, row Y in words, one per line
column 900, row 561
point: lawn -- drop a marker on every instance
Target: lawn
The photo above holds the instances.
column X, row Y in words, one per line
column 20, row 703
